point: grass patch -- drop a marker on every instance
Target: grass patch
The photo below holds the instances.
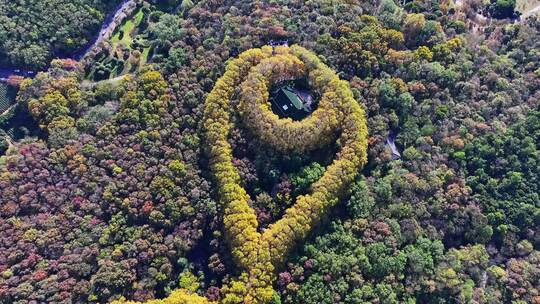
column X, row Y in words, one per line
column 124, row 34
column 131, row 37
column 145, row 54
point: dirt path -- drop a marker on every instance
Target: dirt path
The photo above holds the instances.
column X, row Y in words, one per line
column 114, row 81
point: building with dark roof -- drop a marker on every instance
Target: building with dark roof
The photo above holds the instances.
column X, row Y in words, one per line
column 291, row 102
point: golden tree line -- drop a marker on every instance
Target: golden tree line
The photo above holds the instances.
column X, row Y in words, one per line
column 259, row 254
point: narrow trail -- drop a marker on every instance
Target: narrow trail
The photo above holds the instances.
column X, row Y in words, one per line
column 92, row 84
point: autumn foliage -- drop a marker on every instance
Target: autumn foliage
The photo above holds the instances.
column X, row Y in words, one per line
column 259, row 253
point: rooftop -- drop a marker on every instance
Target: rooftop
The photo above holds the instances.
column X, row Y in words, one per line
column 291, row 101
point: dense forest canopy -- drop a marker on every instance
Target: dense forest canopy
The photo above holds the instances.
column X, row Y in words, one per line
column 33, row 31
column 155, row 170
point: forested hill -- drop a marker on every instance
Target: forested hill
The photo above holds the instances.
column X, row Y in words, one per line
column 158, row 171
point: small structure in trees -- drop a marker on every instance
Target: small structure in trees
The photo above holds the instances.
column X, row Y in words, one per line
column 391, row 143
column 290, row 99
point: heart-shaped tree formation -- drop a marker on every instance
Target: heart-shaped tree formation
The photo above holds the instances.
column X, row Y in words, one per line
column 258, row 254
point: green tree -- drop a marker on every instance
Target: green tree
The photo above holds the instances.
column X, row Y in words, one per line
column 502, row 8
